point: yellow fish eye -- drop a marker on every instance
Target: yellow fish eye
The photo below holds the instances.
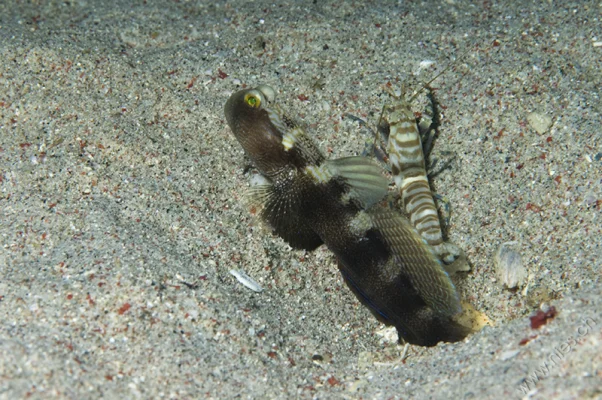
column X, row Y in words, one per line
column 253, row 100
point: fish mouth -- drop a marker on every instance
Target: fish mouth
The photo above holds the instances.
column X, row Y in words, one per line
column 268, row 92
column 230, row 107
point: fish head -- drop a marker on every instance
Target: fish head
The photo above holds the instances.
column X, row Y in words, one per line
column 250, row 118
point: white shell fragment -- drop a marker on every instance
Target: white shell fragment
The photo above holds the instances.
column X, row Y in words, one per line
column 540, row 122
column 246, row 280
column 259, row 180
column 509, row 265
column 508, row 354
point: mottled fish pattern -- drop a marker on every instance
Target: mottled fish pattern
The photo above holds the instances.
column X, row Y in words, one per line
column 406, row 157
column 309, row 200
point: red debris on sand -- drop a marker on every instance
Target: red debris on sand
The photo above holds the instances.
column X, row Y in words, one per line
column 221, row 74
column 124, row 308
column 541, row 317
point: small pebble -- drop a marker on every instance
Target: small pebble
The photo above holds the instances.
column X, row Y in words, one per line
column 506, row 355
column 509, row 265
column 540, row 122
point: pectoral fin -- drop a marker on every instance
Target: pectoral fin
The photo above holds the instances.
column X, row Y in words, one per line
column 278, row 209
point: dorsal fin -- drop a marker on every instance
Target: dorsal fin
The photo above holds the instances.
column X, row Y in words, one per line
column 362, row 176
column 365, row 179
column 418, row 261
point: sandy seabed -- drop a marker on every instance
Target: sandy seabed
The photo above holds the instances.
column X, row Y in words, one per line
column 121, row 196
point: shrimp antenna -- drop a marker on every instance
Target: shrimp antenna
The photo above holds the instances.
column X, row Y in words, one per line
column 451, row 64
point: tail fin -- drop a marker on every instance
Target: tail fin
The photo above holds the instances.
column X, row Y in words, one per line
column 416, row 323
column 432, row 329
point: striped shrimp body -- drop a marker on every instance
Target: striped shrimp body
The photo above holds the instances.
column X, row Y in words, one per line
column 406, row 157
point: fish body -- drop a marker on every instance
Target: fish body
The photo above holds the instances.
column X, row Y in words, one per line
column 406, row 157
column 311, row 201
